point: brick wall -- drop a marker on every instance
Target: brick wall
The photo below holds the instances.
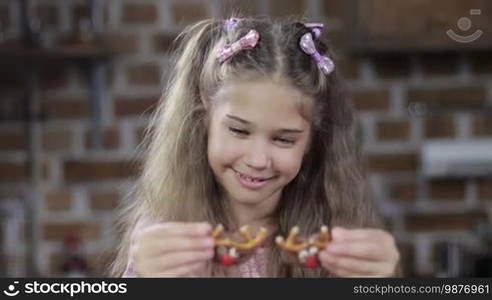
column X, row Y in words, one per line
column 82, row 185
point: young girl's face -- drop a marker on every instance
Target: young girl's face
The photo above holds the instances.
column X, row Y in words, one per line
column 257, row 139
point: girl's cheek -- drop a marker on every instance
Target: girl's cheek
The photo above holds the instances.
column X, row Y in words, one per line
column 289, row 161
column 230, row 147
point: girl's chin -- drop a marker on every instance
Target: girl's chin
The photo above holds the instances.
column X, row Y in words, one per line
column 246, row 199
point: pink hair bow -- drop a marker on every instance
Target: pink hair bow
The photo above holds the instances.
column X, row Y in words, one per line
column 306, row 43
column 248, row 41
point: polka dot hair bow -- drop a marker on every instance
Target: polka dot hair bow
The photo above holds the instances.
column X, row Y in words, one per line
column 306, row 43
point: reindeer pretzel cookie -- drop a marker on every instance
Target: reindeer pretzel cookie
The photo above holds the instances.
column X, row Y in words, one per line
column 306, row 251
column 229, row 251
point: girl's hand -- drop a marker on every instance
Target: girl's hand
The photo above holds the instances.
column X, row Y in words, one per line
column 360, row 253
column 173, row 249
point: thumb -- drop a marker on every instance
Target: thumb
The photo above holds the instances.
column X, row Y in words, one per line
column 338, row 233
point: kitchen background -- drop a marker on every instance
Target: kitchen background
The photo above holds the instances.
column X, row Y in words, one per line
column 79, row 80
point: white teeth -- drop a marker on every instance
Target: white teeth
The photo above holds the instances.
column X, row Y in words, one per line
column 251, row 179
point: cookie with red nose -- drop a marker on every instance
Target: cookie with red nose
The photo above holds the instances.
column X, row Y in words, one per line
column 306, row 251
column 229, row 251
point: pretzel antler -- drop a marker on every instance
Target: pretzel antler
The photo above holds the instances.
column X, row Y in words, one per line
column 291, row 244
column 250, row 243
column 323, row 239
column 306, row 251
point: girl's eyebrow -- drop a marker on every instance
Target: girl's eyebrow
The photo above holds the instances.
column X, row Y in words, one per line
column 282, row 130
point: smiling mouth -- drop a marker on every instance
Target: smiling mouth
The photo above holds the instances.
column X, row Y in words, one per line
column 252, row 179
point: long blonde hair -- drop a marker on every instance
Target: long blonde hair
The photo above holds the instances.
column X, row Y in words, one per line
column 177, row 183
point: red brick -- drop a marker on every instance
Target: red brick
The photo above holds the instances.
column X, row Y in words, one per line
column 147, row 74
column 55, row 78
column 393, row 130
column 282, row 8
column 392, row 162
column 110, row 139
column 482, row 63
column 104, row 200
column 482, row 125
column 443, row 222
column 458, row 96
column 440, row 126
column 58, row 200
column 337, row 39
column 62, row 109
column 10, row 141
column 334, row 8
column 94, row 170
column 59, row 231
column 485, row 189
column 391, row 66
column 125, row 107
column 164, row 42
column 439, row 64
column 371, row 100
column 122, row 43
column 189, row 12
column 58, row 140
column 348, row 68
column 447, row 189
column 141, row 13
column 406, row 191
column 13, row 172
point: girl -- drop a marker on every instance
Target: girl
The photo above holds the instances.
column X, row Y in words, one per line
column 253, row 129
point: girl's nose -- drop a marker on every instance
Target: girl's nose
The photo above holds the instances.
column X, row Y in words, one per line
column 258, row 159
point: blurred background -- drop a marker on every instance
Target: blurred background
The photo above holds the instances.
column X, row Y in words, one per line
column 79, row 79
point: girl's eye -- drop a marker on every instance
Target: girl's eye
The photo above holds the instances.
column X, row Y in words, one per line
column 286, row 141
column 238, row 131
column 242, row 132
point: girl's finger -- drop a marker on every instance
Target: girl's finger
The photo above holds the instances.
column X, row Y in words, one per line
column 167, row 229
column 190, row 270
column 362, row 250
column 175, row 244
column 344, row 266
column 178, row 259
column 372, row 234
column 153, row 248
column 348, row 274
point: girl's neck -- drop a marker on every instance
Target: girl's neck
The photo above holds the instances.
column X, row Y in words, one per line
column 255, row 216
